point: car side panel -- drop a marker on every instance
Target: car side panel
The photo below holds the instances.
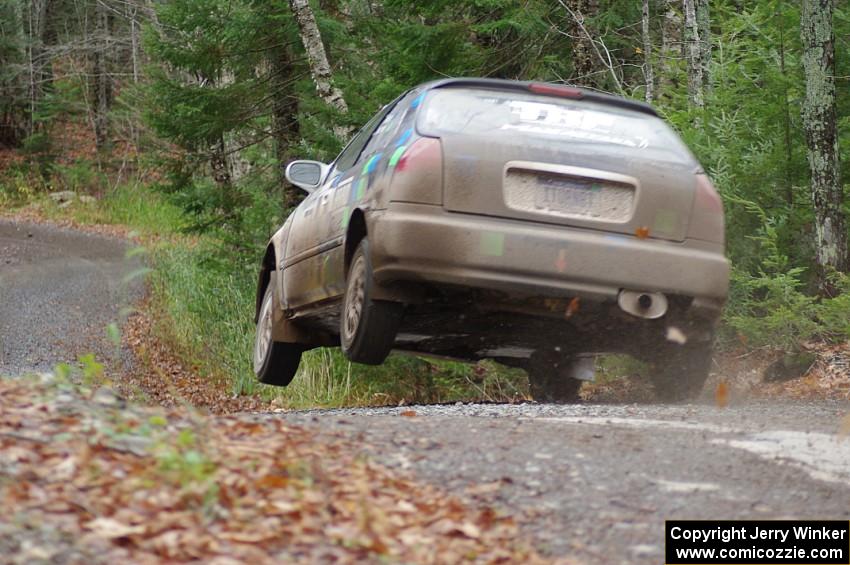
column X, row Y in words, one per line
column 309, row 251
column 278, row 243
column 309, row 281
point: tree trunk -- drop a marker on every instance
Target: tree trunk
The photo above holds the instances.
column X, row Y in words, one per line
column 585, row 66
column 786, row 110
column 284, row 119
column 704, row 28
column 220, row 156
column 131, row 14
column 101, row 81
column 36, row 59
column 14, row 82
column 819, row 122
column 317, row 58
column 221, row 169
column 233, row 140
column 693, row 54
column 149, row 7
column 671, row 45
column 135, row 40
column 648, row 74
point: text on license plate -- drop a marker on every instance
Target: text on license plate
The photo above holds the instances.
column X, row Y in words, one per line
column 563, row 195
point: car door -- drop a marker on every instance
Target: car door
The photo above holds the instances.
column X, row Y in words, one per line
column 314, row 251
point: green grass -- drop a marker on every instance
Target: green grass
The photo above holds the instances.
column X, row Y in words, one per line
column 130, row 205
column 326, row 378
column 206, row 309
column 134, row 206
column 612, row 367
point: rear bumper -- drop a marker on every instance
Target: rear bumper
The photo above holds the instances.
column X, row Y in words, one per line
column 415, row 242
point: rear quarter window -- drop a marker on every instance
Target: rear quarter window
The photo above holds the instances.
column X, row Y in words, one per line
column 519, row 116
column 391, row 124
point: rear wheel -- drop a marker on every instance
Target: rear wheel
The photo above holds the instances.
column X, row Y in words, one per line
column 275, row 363
column 368, row 327
column 679, row 372
column 549, row 378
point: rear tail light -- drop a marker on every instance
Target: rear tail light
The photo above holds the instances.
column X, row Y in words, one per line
column 555, row 90
column 707, row 197
column 424, row 153
column 418, row 174
column 706, row 221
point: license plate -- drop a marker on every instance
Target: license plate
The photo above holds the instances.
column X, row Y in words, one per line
column 558, row 193
column 568, row 196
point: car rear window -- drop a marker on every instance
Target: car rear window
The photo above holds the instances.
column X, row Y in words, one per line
column 486, row 112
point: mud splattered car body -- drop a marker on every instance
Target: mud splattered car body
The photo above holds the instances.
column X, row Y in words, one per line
column 525, row 222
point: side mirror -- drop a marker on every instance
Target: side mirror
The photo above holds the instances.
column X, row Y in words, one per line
column 306, row 175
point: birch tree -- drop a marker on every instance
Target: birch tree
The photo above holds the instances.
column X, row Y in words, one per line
column 37, row 58
column 317, row 58
column 649, row 75
column 703, row 17
column 671, row 43
column 132, row 15
column 693, row 54
column 101, row 81
column 819, row 122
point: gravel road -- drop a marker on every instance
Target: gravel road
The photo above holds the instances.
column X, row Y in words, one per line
column 59, row 289
column 596, row 482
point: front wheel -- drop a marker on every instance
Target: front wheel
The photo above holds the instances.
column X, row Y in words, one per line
column 275, row 363
column 368, row 327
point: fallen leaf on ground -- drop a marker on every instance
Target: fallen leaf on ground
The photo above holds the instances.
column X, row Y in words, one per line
column 112, row 529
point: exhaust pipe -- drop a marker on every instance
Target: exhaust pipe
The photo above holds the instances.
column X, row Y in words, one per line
column 648, row 305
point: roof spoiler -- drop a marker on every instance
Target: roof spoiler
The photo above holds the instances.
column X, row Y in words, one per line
column 547, row 89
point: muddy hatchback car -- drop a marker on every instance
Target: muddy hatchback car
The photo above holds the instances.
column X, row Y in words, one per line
column 528, row 223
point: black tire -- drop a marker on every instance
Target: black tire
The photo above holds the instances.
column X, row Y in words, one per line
column 368, row 327
column 679, row 372
column 549, row 380
column 275, row 363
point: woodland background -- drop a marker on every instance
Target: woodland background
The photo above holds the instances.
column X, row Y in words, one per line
column 180, row 115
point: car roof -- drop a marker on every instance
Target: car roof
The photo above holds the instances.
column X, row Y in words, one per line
column 525, row 86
